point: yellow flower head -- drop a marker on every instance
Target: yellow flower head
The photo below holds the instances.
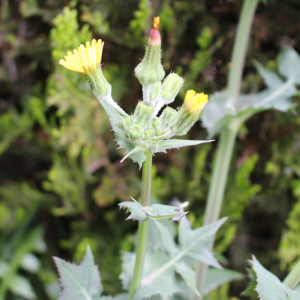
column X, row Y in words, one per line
column 85, row 59
column 195, row 102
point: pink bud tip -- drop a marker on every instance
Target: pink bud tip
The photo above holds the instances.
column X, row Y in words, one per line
column 154, row 36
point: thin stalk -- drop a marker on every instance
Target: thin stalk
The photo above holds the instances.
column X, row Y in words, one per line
column 293, row 277
column 239, row 50
column 143, row 227
column 228, row 136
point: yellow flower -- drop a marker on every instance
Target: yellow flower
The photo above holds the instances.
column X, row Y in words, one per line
column 85, row 59
column 195, row 102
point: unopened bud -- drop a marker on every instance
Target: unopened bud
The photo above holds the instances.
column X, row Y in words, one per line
column 170, row 87
column 167, row 115
column 150, row 132
column 155, row 92
column 125, row 123
column 155, row 122
column 150, row 70
column 136, row 132
column 143, row 113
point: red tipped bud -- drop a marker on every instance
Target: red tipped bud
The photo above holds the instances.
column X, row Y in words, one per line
column 154, row 36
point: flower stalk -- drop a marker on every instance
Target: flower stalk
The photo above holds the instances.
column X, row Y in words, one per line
column 143, row 227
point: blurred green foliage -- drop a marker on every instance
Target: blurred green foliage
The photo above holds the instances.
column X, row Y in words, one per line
column 61, row 174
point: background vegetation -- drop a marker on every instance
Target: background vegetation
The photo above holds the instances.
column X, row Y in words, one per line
column 61, row 176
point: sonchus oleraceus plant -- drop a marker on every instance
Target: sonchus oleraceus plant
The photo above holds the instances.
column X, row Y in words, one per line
column 149, row 130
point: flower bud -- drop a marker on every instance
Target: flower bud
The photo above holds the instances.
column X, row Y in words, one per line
column 155, row 92
column 150, row 70
column 170, row 87
column 155, row 122
column 167, row 115
column 125, row 123
column 136, row 132
column 149, row 132
column 143, row 113
column 189, row 113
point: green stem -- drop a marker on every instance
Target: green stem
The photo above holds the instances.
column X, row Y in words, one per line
column 216, row 192
column 143, row 227
column 239, row 51
column 293, row 277
column 228, row 136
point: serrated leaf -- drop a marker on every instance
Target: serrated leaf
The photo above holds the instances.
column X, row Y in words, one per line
column 293, row 294
column 193, row 247
column 268, row 285
column 216, row 277
column 79, row 282
column 289, row 64
column 155, row 211
column 250, row 291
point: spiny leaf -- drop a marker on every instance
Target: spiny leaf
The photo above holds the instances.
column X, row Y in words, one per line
column 79, row 282
column 193, row 247
column 155, row 211
column 293, row 294
column 268, row 285
column 216, row 277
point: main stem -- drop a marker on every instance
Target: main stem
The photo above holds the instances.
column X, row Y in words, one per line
column 228, row 136
column 143, row 227
column 239, row 51
column 216, row 192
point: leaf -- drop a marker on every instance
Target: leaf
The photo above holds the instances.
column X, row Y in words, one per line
column 155, row 211
column 193, row 247
column 161, row 237
column 128, row 261
column 20, row 286
column 293, row 294
column 268, row 287
column 217, row 277
column 163, row 145
column 30, row 263
column 250, row 291
column 164, row 283
column 271, row 79
column 289, row 64
column 79, row 282
column 189, row 276
column 158, row 237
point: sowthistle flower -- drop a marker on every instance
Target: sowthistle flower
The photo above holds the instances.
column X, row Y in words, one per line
column 142, row 131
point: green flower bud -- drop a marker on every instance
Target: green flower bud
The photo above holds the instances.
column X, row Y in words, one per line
column 136, row 132
column 167, row 115
column 170, row 87
column 125, row 123
column 158, row 132
column 155, row 122
column 155, row 92
column 143, row 113
column 150, row 70
column 149, row 132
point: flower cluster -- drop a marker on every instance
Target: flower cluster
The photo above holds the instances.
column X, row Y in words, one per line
column 144, row 130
